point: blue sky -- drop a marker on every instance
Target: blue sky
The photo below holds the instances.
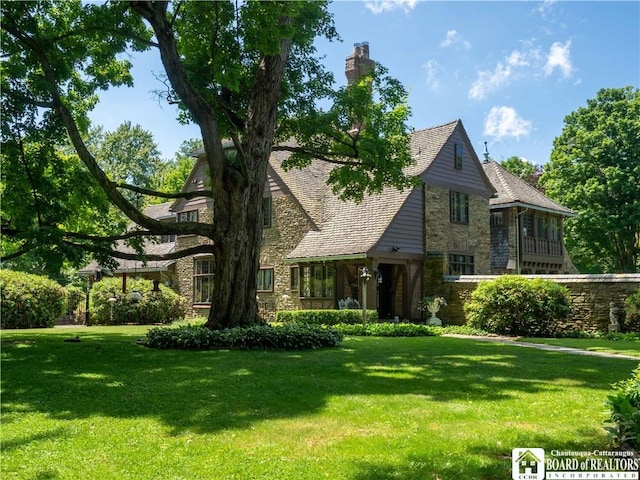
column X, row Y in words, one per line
column 511, row 71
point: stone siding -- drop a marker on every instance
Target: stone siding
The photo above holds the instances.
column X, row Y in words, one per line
column 444, row 237
column 185, row 266
column 289, row 224
column 591, row 296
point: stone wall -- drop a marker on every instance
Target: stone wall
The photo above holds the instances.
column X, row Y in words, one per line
column 591, row 296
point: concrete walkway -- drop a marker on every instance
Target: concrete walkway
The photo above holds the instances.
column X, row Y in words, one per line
column 542, row 346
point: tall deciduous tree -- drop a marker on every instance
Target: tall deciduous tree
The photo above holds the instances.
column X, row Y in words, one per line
column 594, row 170
column 527, row 171
column 245, row 71
column 130, row 155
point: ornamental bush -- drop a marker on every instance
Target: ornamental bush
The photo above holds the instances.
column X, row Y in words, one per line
column 388, row 329
column 164, row 306
column 75, row 296
column 632, row 313
column 29, row 301
column 284, row 337
column 514, row 305
column 624, row 412
column 325, row 317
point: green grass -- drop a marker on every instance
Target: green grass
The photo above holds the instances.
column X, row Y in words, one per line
column 373, row 408
column 626, row 347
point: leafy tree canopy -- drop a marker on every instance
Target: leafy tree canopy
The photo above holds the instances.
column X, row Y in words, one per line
column 527, row 171
column 594, row 170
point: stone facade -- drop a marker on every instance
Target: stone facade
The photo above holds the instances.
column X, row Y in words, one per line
column 591, row 297
column 288, row 225
column 185, row 266
column 443, row 237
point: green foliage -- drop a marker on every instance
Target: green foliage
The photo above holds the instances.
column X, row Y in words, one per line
column 325, row 317
column 293, row 336
column 164, row 306
column 514, row 305
column 624, row 411
column 594, row 170
column 75, row 296
column 632, row 312
column 387, row 329
column 525, row 170
column 29, row 301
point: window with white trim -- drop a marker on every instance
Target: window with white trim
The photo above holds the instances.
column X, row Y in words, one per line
column 203, row 280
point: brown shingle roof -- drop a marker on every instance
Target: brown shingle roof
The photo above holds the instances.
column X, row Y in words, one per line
column 345, row 227
column 512, row 190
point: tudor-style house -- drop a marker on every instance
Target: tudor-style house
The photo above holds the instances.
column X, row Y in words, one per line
column 315, row 245
column 464, row 217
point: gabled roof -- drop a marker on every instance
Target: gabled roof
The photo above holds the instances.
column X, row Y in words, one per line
column 347, row 229
column 512, row 191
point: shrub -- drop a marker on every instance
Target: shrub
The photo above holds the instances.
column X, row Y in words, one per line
column 75, row 296
column 514, row 305
column 284, row 337
column 624, row 411
column 325, row 317
column 164, row 306
column 29, row 301
column 387, row 329
column 632, row 312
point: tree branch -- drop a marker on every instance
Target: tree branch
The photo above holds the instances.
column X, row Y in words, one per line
column 197, row 250
column 155, row 193
column 312, row 153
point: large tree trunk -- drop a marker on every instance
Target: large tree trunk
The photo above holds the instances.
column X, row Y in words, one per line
column 237, row 260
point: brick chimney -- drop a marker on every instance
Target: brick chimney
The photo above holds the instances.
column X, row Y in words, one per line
column 358, row 63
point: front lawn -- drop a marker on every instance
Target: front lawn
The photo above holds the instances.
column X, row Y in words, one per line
column 372, row 408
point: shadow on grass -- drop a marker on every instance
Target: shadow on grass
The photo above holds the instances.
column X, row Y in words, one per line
column 477, row 462
column 108, row 374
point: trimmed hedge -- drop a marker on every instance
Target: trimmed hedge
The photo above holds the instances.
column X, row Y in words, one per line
column 285, row 337
column 164, row 306
column 514, row 305
column 30, row 301
column 325, row 317
column 632, row 313
column 388, row 329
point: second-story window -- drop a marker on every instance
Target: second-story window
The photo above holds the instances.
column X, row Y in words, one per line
column 188, row 216
column 459, row 207
column 203, row 280
column 265, row 280
column 266, row 212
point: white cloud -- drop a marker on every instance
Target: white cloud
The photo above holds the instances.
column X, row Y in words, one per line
column 504, row 122
column 454, row 40
column 382, row 6
column 488, row 82
column 518, row 60
column 559, row 57
column 545, row 7
column 432, row 68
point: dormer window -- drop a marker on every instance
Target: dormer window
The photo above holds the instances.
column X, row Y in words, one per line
column 459, row 153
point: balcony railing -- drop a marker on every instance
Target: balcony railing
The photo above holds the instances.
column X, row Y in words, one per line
column 540, row 246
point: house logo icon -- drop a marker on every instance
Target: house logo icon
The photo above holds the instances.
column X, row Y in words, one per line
column 527, row 464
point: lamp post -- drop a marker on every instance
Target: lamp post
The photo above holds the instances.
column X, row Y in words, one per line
column 111, row 301
column 365, row 276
